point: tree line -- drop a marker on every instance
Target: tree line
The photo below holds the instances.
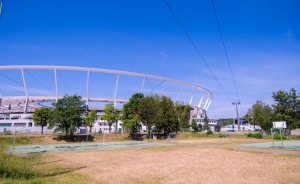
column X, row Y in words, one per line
column 286, row 108
column 70, row 113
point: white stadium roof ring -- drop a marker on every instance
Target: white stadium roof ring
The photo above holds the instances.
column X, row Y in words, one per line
column 24, row 88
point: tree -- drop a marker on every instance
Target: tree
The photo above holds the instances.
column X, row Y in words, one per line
column 183, row 114
column 217, row 128
column 149, row 110
column 111, row 115
column 248, row 116
column 262, row 115
column 67, row 112
column 130, row 114
column 167, row 121
column 206, row 124
column 194, row 125
column 90, row 119
column 224, row 122
column 200, row 127
column 287, row 108
column 41, row 116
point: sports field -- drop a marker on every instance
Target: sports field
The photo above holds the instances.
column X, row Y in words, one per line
column 204, row 160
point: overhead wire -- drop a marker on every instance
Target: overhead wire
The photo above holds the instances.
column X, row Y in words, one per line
column 196, row 49
column 225, row 49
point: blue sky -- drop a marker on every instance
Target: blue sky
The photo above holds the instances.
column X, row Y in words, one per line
column 262, row 40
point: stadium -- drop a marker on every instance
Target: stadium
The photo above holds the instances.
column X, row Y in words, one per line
column 25, row 88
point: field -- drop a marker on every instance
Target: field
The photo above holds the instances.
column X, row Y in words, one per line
column 190, row 160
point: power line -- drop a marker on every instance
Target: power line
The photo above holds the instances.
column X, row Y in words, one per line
column 225, row 48
column 195, row 48
column 64, row 82
column 39, row 82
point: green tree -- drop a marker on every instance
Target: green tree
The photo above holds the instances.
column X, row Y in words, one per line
column 167, row 121
column 225, row 121
column 130, row 114
column 90, row 119
column 183, row 114
column 217, row 128
column 41, row 116
column 67, row 112
column 149, row 110
column 111, row 115
column 262, row 115
column 200, row 127
column 248, row 116
column 206, row 122
column 194, row 125
column 287, row 108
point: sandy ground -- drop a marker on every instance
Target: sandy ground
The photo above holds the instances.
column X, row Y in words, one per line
column 191, row 161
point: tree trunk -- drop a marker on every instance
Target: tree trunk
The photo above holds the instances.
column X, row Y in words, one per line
column 42, row 128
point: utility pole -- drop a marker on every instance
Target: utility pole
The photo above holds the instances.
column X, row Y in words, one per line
column 236, row 103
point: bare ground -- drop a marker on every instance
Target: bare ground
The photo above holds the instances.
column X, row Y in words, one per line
column 188, row 161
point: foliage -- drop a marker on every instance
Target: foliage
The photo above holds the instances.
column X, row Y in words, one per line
column 278, row 137
column 91, row 118
column 224, row 122
column 41, row 116
column 111, row 115
column 287, row 108
column 262, row 115
column 200, row 127
column 194, row 125
column 149, row 110
column 167, row 121
column 206, row 120
column 67, row 114
column 209, row 132
column 183, row 114
column 130, row 114
column 222, row 135
column 256, row 135
column 249, row 116
column 217, row 128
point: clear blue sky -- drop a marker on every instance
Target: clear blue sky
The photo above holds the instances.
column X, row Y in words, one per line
column 262, row 40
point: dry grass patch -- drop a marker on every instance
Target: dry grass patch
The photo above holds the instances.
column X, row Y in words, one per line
column 183, row 164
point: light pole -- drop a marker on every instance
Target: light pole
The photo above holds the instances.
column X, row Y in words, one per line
column 236, row 103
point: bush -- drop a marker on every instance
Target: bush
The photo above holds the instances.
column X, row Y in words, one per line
column 99, row 132
column 256, row 135
column 8, row 132
column 209, row 132
column 222, row 135
column 278, row 137
column 217, row 128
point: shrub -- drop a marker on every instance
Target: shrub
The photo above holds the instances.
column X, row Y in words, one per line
column 209, row 132
column 99, row 132
column 256, row 135
column 278, row 137
column 222, row 135
column 8, row 132
column 217, row 128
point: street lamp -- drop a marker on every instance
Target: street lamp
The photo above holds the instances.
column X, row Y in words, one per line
column 236, row 103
